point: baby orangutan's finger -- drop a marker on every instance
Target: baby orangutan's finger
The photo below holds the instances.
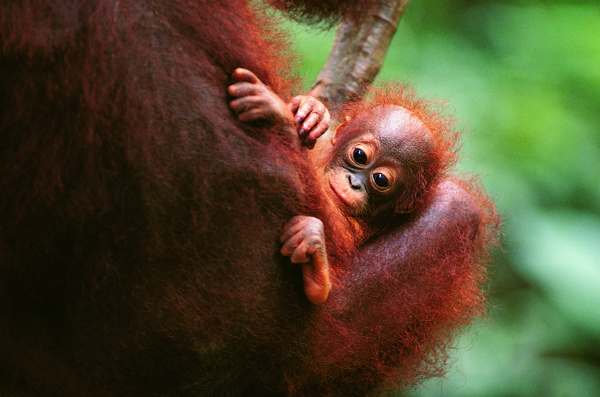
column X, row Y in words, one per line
column 244, row 75
column 243, row 105
column 295, row 102
column 293, row 226
column 301, row 254
column 316, row 133
column 291, row 244
column 309, row 123
column 244, row 89
column 252, row 115
column 306, row 106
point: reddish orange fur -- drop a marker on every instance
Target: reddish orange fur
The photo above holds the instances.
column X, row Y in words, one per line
column 140, row 220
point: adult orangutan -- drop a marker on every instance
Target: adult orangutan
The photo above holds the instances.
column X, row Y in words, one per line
column 139, row 251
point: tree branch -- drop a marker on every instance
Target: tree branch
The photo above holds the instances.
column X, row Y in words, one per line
column 357, row 55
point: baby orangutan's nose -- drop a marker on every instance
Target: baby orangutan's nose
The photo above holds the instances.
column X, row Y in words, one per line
column 355, row 182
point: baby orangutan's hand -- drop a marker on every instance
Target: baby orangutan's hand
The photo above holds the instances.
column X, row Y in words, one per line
column 312, row 116
column 255, row 101
column 303, row 241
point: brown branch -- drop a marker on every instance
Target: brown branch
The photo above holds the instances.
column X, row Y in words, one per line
column 357, row 55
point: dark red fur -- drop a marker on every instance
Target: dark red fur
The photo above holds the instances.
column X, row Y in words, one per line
column 140, row 221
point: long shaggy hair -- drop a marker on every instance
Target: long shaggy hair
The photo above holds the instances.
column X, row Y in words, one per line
column 139, row 251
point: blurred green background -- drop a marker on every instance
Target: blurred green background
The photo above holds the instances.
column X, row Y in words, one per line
column 523, row 79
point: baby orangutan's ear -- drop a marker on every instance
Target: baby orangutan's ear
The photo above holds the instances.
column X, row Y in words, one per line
column 334, row 137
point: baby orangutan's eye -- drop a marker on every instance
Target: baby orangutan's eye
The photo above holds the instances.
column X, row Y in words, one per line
column 381, row 180
column 359, row 156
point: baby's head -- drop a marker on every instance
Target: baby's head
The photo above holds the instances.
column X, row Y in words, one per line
column 386, row 154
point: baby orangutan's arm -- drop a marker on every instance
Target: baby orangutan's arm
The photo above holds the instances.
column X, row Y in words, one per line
column 255, row 101
column 304, row 242
column 304, row 115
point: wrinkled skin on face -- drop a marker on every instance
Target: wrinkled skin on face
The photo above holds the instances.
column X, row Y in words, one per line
column 372, row 166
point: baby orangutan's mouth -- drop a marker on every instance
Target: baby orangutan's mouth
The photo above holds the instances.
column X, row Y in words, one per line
column 340, row 197
column 349, row 201
column 344, row 199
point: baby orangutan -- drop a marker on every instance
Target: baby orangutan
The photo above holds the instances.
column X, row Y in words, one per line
column 377, row 167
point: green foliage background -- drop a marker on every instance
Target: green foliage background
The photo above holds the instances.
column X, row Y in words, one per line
column 523, row 78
